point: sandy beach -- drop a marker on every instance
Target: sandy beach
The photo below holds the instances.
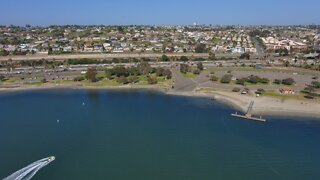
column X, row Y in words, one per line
column 262, row 105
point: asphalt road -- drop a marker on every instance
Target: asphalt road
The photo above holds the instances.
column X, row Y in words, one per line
column 260, row 50
column 181, row 83
column 111, row 56
column 99, row 56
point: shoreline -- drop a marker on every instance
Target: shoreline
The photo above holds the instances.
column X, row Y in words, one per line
column 266, row 106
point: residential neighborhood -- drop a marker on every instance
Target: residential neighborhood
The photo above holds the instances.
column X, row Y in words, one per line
column 16, row 40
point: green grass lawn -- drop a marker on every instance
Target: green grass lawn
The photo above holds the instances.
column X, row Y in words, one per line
column 143, row 78
column 189, row 75
column 11, row 80
column 101, row 75
column 104, row 82
column 61, row 81
column 276, row 94
column 33, row 83
column 161, row 79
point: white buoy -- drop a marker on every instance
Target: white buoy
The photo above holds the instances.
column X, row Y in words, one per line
column 83, row 104
column 58, row 120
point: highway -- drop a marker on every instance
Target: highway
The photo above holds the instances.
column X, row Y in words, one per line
column 99, row 56
column 111, row 56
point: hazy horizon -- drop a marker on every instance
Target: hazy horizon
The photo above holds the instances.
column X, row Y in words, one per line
column 160, row 25
column 146, row 12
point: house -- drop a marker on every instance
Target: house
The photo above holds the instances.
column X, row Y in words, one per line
column 239, row 50
column 56, row 48
column 67, row 48
column 118, row 50
column 88, row 48
column 97, row 48
column 106, row 45
column 158, row 47
column 311, row 56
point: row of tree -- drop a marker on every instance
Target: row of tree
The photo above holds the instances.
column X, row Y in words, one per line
column 311, row 90
column 253, row 80
column 185, row 68
column 287, row 81
column 125, row 75
column 227, row 78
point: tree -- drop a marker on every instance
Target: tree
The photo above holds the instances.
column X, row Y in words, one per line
column 277, row 81
column 122, row 80
column 184, row 59
column 201, row 48
column 286, row 63
column 2, row 78
column 200, row 66
column 80, row 78
column 260, row 91
column 236, row 89
column 44, row 80
column 167, row 73
column 184, row 68
column 253, row 79
column 3, row 52
column 164, row 58
column 133, row 79
column 288, row 81
column 241, row 81
column 144, row 68
column 214, row 78
column 133, row 71
column 264, row 80
column 196, row 71
column 120, row 29
column 91, row 74
column 315, row 84
column 212, row 56
column 245, row 56
column 308, row 90
column 226, row 78
column 159, row 71
column 108, row 73
column 282, row 52
column 152, row 80
column 50, row 50
column 119, row 71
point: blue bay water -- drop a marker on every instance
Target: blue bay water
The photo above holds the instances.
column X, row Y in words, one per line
column 144, row 135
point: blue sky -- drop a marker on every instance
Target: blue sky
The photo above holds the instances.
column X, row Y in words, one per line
column 159, row 12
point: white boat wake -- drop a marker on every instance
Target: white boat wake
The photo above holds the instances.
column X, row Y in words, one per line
column 28, row 172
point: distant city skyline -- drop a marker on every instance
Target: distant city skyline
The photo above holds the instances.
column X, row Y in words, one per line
column 165, row 12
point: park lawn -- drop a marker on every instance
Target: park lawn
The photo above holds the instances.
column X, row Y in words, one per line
column 101, row 75
column 104, row 82
column 161, row 79
column 189, row 75
column 276, row 94
column 11, row 80
column 143, row 78
column 33, row 83
column 61, row 81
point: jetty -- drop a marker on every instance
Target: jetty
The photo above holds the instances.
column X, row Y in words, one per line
column 248, row 115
